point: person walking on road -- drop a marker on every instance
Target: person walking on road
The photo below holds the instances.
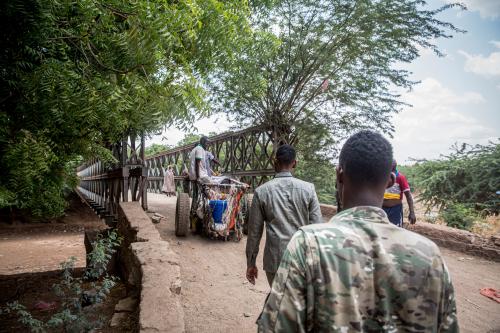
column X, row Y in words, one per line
column 283, row 204
column 393, row 199
column 359, row 272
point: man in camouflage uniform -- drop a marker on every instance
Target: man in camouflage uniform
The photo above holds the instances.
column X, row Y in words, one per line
column 359, row 272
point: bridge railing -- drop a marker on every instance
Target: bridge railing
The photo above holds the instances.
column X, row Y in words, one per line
column 103, row 185
column 246, row 155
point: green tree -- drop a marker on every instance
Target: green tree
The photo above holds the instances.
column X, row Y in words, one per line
column 156, row 148
column 315, row 151
column 188, row 139
column 333, row 58
column 466, row 179
column 77, row 75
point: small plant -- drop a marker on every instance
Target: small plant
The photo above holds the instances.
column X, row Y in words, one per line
column 76, row 293
column 459, row 216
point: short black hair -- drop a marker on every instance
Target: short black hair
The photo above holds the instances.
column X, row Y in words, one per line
column 366, row 158
column 203, row 140
column 285, row 155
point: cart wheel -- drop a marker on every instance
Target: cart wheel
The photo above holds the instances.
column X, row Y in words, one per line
column 248, row 204
column 182, row 215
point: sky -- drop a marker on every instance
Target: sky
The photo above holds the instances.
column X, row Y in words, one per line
column 457, row 99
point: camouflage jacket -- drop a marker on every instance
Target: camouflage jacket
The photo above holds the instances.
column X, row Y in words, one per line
column 360, row 273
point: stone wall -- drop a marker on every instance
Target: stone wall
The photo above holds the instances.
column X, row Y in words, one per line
column 148, row 263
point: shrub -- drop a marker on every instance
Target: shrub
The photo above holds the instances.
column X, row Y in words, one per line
column 469, row 176
column 459, row 216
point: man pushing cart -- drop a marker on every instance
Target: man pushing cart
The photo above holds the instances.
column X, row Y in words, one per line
column 217, row 208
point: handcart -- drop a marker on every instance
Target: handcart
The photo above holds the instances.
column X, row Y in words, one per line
column 218, row 210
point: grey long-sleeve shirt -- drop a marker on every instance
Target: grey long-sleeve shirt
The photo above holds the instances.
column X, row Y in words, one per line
column 285, row 204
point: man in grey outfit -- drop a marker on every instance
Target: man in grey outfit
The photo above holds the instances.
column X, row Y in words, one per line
column 283, row 204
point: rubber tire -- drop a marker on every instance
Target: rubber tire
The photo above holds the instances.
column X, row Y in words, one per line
column 182, row 209
column 249, row 198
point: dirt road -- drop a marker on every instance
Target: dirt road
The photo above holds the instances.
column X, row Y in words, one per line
column 217, row 298
column 41, row 247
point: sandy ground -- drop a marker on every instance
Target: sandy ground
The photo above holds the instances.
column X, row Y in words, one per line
column 40, row 247
column 217, row 298
column 29, row 253
column 476, row 313
column 215, row 294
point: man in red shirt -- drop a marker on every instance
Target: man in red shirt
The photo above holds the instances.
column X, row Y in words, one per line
column 393, row 199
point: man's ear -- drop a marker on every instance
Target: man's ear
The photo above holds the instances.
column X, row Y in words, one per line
column 340, row 174
column 294, row 164
column 392, row 180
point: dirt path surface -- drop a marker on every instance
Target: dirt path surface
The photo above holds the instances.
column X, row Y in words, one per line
column 476, row 313
column 40, row 247
column 30, row 257
column 30, row 253
column 215, row 294
column 217, row 298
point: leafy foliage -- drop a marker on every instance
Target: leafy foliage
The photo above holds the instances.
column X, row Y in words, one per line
column 315, row 151
column 459, row 216
column 188, row 139
column 470, row 176
column 156, row 148
column 73, row 316
column 77, row 75
column 334, row 59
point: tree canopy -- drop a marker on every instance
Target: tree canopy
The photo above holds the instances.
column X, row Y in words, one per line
column 469, row 176
column 77, row 75
column 331, row 58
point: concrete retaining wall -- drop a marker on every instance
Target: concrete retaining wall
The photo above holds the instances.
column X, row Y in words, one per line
column 148, row 263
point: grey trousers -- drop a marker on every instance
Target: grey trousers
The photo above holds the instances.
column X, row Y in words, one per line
column 270, row 278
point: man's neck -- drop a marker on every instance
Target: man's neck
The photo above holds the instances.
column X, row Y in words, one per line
column 284, row 171
column 363, row 199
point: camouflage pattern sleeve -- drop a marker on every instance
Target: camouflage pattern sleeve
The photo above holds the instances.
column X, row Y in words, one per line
column 285, row 307
column 447, row 321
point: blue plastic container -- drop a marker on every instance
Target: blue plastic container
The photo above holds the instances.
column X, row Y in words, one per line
column 218, row 208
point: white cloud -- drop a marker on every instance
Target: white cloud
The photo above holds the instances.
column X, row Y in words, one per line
column 486, row 8
column 481, row 65
column 435, row 122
